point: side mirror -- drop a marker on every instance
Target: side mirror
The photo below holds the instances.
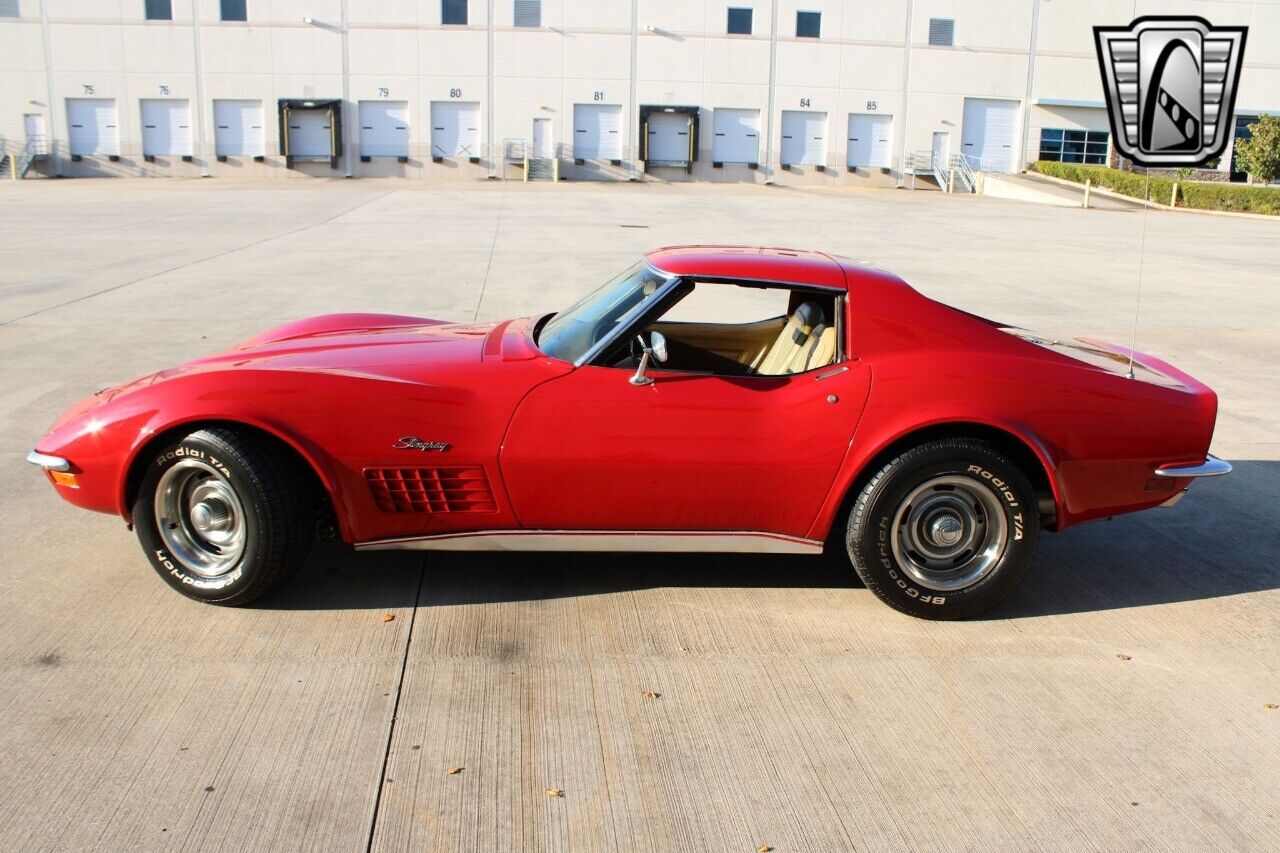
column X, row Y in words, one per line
column 658, row 345
column 655, row 349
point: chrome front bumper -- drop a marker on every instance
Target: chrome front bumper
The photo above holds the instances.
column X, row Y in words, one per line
column 1211, row 467
column 49, row 463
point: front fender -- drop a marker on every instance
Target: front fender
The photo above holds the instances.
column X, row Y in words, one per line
column 166, row 424
column 105, row 438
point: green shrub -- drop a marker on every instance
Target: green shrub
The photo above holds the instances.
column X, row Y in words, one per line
column 1232, row 197
column 1260, row 154
column 1202, row 196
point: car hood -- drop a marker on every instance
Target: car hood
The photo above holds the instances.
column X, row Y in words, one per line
column 381, row 346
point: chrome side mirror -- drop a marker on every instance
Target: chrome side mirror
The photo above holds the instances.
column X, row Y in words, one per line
column 658, row 343
column 655, row 349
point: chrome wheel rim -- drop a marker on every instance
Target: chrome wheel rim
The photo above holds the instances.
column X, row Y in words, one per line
column 200, row 518
column 949, row 533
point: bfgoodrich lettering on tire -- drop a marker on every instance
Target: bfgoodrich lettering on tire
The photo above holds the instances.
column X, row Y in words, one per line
column 945, row 530
column 224, row 516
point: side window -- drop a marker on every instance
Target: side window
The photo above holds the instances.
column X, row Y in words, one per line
column 739, row 330
column 729, row 304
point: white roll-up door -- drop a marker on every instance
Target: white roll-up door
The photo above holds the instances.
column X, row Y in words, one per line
column 455, row 129
column 669, row 138
column 804, row 138
column 166, row 127
column 92, row 126
column 870, row 141
column 237, row 129
column 990, row 134
column 384, row 128
column 737, row 136
column 597, row 131
column 310, row 134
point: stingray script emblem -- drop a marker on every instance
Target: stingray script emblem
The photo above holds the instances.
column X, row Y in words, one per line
column 412, row 442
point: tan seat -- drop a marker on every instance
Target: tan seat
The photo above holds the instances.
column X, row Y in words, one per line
column 794, row 348
column 823, row 350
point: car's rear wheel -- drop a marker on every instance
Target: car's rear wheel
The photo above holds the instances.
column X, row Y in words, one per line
column 944, row 530
column 224, row 516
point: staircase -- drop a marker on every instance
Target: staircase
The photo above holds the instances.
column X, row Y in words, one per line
column 966, row 178
column 16, row 164
column 925, row 163
column 954, row 176
column 541, row 169
column 518, row 152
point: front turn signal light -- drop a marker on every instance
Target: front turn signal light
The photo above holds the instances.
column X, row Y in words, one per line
column 64, row 478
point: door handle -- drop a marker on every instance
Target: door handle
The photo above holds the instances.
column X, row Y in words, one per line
column 829, row 373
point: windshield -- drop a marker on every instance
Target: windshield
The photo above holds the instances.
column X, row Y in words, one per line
column 572, row 333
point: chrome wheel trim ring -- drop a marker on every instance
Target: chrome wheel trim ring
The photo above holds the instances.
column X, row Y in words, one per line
column 949, row 533
column 200, row 518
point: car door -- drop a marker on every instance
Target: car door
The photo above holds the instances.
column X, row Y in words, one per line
column 591, row 451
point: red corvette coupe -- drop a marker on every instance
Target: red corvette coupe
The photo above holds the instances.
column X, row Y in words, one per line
column 706, row 399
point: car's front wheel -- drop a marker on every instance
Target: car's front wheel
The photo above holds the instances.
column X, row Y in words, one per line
column 224, row 516
column 944, row 530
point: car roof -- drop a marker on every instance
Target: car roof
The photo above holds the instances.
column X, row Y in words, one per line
column 755, row 263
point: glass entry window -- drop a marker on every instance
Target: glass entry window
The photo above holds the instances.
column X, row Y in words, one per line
column 1074, row 146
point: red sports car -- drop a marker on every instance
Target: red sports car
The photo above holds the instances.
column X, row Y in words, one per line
column 706, row 399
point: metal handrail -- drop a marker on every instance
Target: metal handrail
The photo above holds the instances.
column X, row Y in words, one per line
column 964, row 169
column 920, row 160
column 513, row 149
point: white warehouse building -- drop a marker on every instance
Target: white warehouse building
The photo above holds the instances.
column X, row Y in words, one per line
column 825, row 92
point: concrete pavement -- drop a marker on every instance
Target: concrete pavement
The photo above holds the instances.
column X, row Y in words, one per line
column 1117, row 701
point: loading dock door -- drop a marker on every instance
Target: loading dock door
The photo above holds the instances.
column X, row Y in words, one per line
column 455, row 129
column 804, row 138
column 384, row 128
column 166, row 127
column 310, row 134
column 237, row 129
column 737, row 136
column 990, row 133
column 669, row 138
column 870, row 141
column 92, row 126
column 597, row 131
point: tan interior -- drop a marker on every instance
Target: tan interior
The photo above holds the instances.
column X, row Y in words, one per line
column 776, row 347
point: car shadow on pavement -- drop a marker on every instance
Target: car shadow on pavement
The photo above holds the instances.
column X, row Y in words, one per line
column 1185, row 553
column 1220, row 540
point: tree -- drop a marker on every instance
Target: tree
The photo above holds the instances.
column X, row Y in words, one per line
column 1259, row 156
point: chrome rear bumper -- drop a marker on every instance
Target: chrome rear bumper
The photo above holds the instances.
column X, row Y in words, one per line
column 1211, row 467
column 49, row 463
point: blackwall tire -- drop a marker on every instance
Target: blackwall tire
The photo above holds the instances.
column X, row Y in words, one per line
column 944, row 530
column 224, row 516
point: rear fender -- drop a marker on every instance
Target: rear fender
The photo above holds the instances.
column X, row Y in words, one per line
column 861, row 457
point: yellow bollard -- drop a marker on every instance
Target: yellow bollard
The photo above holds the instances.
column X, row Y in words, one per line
column 1088, row 185
column 1173, row 196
